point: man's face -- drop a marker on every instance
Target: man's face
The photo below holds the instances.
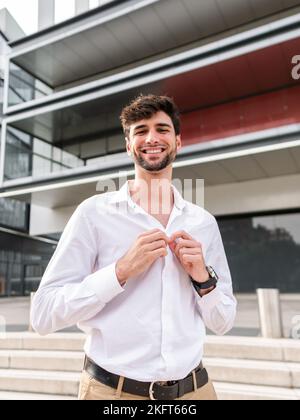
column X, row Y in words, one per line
column 153, row 142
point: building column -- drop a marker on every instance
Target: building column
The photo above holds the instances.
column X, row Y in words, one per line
column 81, row 6
column 46, row 13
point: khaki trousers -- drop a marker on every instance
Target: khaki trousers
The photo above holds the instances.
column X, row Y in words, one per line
column 91, row 389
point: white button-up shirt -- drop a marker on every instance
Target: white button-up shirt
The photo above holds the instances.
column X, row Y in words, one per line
column 153, row 328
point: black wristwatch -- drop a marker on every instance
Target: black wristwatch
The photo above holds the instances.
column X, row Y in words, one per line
column 212, row 281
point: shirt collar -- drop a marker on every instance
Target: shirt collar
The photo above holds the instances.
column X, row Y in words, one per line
column 123, row 195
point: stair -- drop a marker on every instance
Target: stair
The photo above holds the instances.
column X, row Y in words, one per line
column 231, row 391
column 242, row 368
column 247, row 368
column 10, row 396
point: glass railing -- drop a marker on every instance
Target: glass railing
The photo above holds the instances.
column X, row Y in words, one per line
column 27, row 156
column 14, row 214
column 23, row 87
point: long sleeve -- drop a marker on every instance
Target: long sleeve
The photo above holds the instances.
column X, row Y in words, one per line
column 70, row 292
column 218, row 308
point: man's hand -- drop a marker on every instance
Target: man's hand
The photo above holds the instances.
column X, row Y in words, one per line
column 189, row 253
column 146, row 249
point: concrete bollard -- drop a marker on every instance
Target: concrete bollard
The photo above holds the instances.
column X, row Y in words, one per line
column 31, row 299
column 270, row 313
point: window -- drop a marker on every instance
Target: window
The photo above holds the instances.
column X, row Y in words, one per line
column 263, row 251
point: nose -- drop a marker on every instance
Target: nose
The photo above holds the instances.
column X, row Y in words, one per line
column 152, row 137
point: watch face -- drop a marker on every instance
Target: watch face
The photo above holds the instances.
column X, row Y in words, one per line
column 212, row 272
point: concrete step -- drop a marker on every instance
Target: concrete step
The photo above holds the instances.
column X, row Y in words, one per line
column 6, row 395
column 32, row 341
column 41, row 382
column 230, row 391
column 42, row 360
column 253, row 348
column 254, row 372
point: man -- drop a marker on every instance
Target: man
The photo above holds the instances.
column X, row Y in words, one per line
column 136, row 269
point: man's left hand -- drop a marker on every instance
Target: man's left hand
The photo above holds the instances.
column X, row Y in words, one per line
column 190, row 255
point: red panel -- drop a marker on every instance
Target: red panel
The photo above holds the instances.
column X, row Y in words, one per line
column 236, row 76
column 269, row 67
column 249, row 74
column 289, row 49
column 244, row 116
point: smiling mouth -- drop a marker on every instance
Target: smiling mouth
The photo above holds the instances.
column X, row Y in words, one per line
column 153, row 150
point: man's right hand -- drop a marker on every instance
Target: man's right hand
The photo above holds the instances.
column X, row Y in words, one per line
column 146, row 249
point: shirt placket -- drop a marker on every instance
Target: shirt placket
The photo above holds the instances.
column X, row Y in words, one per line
column 167, row 322
column 168, row 365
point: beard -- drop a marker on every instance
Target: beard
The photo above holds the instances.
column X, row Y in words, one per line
column 155, row 166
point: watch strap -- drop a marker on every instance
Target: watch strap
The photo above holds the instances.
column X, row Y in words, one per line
column 206, row 285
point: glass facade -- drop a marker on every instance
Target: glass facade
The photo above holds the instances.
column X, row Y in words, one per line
column 22, row 259
column 22, row 263
column 263, row 251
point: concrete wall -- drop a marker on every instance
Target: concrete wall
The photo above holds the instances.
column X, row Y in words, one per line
column 46, row 13
column 44, row 220
column 254, row 196
column 81, row 6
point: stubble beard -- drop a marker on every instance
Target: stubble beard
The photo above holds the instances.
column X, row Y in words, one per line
column 155, row 167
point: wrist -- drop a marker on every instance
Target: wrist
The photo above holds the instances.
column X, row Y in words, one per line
column 121, row 273
column 203, row 277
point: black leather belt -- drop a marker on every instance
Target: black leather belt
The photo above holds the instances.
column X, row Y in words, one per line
column 170, row 391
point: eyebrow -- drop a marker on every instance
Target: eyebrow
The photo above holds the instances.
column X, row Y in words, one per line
column 156, row 125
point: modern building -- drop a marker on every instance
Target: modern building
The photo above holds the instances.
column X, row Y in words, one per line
column 23, row 258
column 230, row 66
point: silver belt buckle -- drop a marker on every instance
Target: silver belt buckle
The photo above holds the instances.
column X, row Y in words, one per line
column 151, row 392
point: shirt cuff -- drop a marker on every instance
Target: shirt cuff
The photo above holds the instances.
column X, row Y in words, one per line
column 105, row 283
column 210, row 300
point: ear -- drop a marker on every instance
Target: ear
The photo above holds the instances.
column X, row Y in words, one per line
column 128, row 146
column 178, row 142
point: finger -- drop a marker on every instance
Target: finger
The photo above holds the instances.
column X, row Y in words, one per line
column 190, row 251
column 180, row 234
column 186, row 243
column 186, row 258
column 149, row 232
column 155, row 245
column 160, row 252
column 155, row 236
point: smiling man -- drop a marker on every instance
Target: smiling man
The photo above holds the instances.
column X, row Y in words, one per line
column 142, row 282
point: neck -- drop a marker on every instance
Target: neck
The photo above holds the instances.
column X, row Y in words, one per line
column 153, row 190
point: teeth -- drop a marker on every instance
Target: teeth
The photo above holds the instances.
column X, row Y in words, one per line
column 152, row 151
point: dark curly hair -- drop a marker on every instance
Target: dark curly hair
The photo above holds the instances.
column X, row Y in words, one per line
column 145, row 106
